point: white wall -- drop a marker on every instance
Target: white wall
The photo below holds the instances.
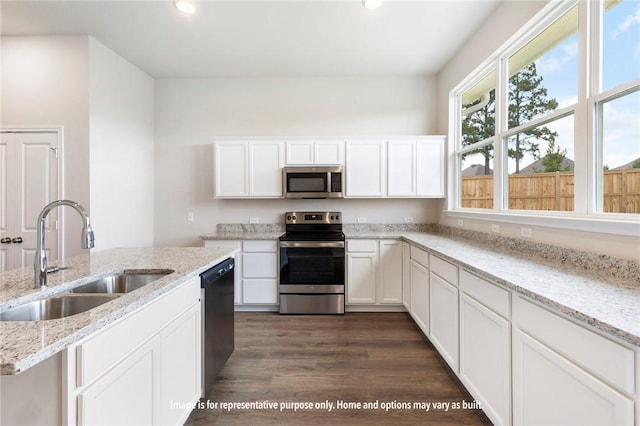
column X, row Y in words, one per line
column 189, row 112
column 45, row 82
column 508, row 18
column 121, row 150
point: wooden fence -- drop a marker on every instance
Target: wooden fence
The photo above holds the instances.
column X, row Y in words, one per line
column 554, row 191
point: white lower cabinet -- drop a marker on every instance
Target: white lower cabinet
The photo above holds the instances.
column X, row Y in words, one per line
column 419, row 288
column 443, row 319
column 485, row 357
column 374, row 274
column 390, row 286
column 126, row 394
column 406, row 275
column 566, row 374
column 132, row 371
column 260, row 272
column 179, row 380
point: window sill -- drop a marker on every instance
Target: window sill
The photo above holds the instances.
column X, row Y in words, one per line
column 602, row 224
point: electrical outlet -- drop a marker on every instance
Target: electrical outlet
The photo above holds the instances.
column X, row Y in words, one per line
column 495, row 228
column 362, row 219
column 254, row 220
column 460, row 222
column 408, row 219
column 526, row 232
column 189, row 216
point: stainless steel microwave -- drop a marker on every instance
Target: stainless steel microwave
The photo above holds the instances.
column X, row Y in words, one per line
column 313, row 182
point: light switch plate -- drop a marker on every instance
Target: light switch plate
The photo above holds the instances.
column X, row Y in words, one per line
column 254, row 220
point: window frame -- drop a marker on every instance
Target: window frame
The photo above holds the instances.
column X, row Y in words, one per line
column 585, row 216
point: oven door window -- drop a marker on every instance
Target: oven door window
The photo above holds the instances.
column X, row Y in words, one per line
column 307, row 182
column 311, row 265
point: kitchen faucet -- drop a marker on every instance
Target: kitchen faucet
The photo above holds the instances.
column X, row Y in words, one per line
column 40, row 261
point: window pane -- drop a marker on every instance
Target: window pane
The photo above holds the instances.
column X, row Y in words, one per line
column 479, row 111
column 621, row 43
column 476, row 189
column 543, row 75
column 620, row 163
column 540, row 164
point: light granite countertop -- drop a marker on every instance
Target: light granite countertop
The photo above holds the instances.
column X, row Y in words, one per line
column 24, row 344
column 597, row 290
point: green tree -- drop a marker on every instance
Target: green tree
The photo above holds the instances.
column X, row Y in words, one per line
column 528, row 100
column 553, row 159
column 636, row 164
column 479, row 126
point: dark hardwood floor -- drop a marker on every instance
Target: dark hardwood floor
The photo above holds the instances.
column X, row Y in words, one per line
column 377, row 358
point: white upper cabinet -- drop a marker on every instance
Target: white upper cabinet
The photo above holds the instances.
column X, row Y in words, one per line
column 430, row 167
column 366, row 169
column 314, row 152
column 400, row 167
column 231, row 160
column 248, row 169
column 416, row 167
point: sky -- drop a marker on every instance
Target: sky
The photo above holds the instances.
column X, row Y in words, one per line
column 621, row 58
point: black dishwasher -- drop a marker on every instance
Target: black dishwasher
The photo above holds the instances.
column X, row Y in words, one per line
column 217, row 286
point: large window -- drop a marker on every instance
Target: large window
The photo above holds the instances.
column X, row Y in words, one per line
column 562, row 127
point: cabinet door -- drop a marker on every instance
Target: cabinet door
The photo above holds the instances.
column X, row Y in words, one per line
column 366, row 169
column 265, row 169
column 361, row 278
column 549, row 389
column 402, row 168
column 406, row 275
column 329, row 152
column 300, row 152
column 443, row 326
column 231, row 172
column 420, row 296
column 485, row 361
column 390, row 284
column 430, row 167
column 180, row 379
column 126, row 394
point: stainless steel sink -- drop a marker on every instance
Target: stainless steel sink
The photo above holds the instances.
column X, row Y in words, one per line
column 124, row 282
column 56, row 307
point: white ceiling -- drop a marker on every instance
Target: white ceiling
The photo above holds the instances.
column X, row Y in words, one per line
column 262, row 38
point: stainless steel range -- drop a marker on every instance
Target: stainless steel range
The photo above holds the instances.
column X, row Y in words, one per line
column 312, row 263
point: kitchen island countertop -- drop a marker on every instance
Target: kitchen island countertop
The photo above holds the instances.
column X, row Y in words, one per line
column 26, row 343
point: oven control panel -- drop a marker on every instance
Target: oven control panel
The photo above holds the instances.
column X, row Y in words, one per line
column 312, row 217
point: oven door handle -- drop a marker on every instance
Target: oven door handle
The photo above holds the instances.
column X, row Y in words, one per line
column 312, row 244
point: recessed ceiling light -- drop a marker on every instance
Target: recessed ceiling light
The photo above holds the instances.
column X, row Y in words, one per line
column 372, row 4
column 185, row 6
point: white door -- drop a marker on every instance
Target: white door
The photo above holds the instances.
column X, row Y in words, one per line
column 28, row 182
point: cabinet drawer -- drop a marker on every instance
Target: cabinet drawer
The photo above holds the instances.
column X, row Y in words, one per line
column 486, row 293
column 600, row 356
column 260, row 265
column 368, row 246
column 420, row 256
column 260, row 291
column 268, row 246
column 446, row 270
column 110, row 346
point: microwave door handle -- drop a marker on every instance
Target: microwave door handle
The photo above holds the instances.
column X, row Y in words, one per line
column 328, row 182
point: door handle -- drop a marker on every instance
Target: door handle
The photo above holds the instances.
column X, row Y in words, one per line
column 17, row 240
column 5, row 240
